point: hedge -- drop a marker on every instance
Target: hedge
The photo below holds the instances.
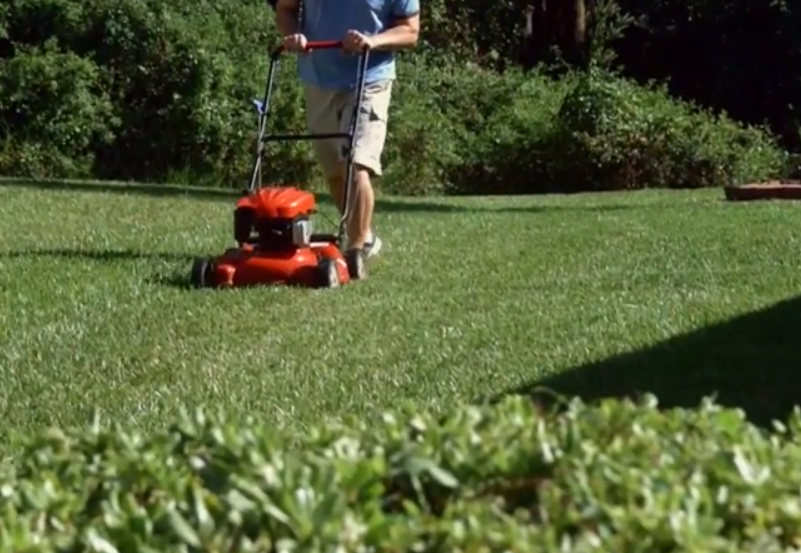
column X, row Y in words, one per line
column 617, row 476
column 161, row 92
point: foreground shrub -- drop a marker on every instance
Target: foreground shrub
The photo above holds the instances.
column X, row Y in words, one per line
column 617, row 477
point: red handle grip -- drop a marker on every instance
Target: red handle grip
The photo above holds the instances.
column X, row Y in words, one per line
column 313, row 45
column 323, row 45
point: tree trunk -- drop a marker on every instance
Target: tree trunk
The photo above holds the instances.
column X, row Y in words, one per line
column 554, row 30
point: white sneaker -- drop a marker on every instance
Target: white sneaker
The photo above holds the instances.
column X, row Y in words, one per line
column 372, row 246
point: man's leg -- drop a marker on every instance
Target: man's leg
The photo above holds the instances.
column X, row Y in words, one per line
column 336, row 186
column 371, row 133
column 323, row 108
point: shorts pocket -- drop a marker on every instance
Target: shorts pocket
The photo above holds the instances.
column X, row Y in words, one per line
column 376, row 100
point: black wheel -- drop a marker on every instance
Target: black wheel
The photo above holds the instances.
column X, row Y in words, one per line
column 202, row 273
column 356, row 266
column 327, row 274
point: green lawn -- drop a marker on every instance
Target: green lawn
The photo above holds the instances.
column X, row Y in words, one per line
column 471, row 298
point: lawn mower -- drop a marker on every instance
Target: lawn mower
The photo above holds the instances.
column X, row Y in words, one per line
column 272, row 225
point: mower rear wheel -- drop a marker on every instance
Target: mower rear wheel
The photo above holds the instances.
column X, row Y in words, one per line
column 202, row 273
column 356, row 266
column 327, row 274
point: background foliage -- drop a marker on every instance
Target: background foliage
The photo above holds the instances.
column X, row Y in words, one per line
column 161, row 92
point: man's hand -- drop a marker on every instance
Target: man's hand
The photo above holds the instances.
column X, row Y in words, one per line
column 404, row 33
column 355, row 42
column 295, row 43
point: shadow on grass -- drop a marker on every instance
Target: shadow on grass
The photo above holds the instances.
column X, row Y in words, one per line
column 150, row 190
column 752, row 362
column 169, row 278
column 388, row 205
column 176, row 279
column 94, row 255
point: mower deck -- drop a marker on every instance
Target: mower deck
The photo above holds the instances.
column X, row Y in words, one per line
column 321, row 265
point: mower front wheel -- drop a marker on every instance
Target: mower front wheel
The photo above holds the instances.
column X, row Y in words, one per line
column 327, row 274
column 202, row 273
column 357, row 269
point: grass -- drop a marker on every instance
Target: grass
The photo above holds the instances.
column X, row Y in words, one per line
column 472, row 298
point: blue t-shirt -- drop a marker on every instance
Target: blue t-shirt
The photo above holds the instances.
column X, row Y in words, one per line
column 331, row 20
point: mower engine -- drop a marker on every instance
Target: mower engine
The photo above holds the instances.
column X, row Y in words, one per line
column 275, row 219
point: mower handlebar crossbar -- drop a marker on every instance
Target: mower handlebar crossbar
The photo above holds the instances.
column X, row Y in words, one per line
column 263, row 107
column 313, row 45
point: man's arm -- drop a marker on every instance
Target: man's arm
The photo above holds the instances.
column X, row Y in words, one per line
column 286, row 16
column 405, row 30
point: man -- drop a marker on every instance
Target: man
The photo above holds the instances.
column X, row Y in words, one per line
column 329, row 78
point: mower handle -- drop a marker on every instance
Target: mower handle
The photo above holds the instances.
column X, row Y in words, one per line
column 262, row 107
column 312, row 45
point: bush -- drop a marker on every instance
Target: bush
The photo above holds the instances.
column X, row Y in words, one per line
column 55, row 114
column 690, row 43
column 180, row 77
column 446, row 117
column 615, row 134
column 511, row 150
column 472, row 130
column 686, row 42
column 615, row 477
column 155, row 91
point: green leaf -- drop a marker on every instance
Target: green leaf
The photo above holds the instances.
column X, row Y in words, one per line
column 204, row 518
column 99, row 544
column 420, row 465
column 183, row 529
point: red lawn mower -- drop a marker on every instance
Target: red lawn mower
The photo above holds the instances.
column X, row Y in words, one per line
column 272, row 225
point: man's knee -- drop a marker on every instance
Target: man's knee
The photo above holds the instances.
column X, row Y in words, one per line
column 362, row 174
column 369, row 147
column 371, row 128
column 370, row 166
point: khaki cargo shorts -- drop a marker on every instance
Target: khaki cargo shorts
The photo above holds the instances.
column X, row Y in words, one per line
column 329, row 112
